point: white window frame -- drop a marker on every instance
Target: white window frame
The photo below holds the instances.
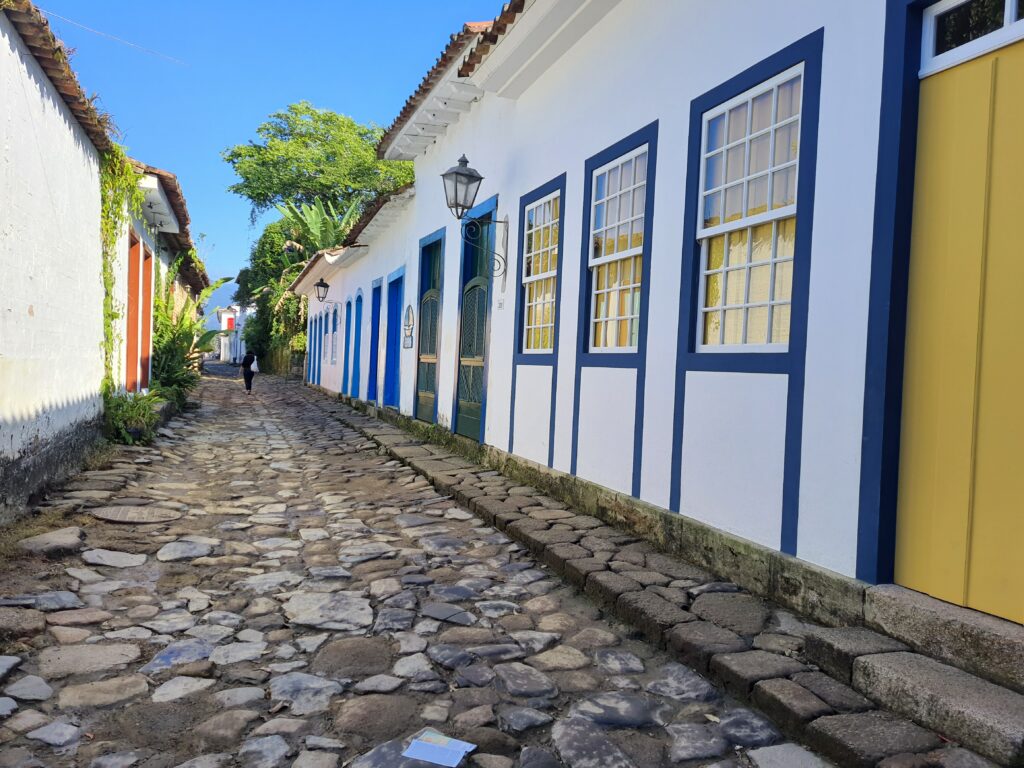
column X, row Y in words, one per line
column 1011, row 31
column 629, row 253
column 551, row 273
column 704, row 234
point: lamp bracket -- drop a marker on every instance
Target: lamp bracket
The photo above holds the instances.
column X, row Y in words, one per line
column 475, row 233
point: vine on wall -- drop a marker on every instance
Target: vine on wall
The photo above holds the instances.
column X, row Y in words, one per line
column 121, row 199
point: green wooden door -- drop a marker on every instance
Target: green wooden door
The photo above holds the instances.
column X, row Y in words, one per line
column 476, row 285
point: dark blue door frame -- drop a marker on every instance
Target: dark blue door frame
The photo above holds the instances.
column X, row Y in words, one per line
column 393, row 349
column 357, row 337
column 375, row 308
column 485, row 210
column 345, row 349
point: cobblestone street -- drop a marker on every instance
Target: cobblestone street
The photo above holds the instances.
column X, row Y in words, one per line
column 295, row 596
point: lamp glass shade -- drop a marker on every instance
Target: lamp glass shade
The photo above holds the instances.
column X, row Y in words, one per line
column 321, row 287
column 461, row 185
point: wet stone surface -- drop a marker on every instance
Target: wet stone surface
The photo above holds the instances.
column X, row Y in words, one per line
column 317, row 603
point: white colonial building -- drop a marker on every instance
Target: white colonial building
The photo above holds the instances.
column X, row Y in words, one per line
column 232, row 340
column 684, row 277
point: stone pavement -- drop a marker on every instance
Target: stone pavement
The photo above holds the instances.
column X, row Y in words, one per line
column 266, row 586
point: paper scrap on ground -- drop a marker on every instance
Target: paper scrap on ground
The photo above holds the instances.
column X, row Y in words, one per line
column 433, row 747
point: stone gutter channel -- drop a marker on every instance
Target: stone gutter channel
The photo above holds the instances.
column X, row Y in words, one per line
column 821, row 686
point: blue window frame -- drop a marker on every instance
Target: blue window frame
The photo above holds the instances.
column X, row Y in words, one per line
column 636, row 358
column 555, row 187
column 806, row 51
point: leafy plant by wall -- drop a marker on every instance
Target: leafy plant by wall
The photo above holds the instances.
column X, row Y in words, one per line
column 179, row 336
column 120, row 199
column 130, row 417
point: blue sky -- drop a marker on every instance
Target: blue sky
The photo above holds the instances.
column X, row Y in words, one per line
column 242, row 60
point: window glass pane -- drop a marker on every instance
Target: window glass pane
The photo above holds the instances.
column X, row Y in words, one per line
column 761, row 112
column 612, row 210
column 641, row 168
column 554, row 209
column 637, row 239
column 713, row 209
column 638, row 201
column 623, row 237
column 733, row 326
column 759, row 153
column 734, row 202
column 967, row 22
column 757, row 195
column 786, row 139
column 627, row 174
column 713, row 290
column 735, row 286
column 783, row 281
column 757, row 325
column 734, row 163
column 785, row 247
column 598, row 249
column 784, row 187
column 761, row 243
column 712, row 327
column 601, row 187
column 759, row 284
column 716, row 133
column 613, row 181
column 716, row 252
column 737, row 123
column 609, row 241
column 788, row 100
column 713, row 171
column 599, row 216
column 738, row 248
column 780, row 324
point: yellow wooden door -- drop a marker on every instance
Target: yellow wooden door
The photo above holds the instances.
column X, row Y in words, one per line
column 960, row 524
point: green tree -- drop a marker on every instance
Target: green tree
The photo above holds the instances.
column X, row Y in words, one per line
column 305, row 153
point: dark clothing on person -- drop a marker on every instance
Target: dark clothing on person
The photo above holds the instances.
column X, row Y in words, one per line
column 247, row 371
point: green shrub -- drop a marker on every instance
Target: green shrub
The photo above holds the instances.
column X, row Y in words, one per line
column 130, row 417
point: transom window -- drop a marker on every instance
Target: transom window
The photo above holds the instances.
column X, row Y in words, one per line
column 616, row 252
column 540, row 273
column 957, row 30
column 750, row 162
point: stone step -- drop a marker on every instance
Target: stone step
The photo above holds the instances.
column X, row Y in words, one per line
column 965, row 708
column 973, row 641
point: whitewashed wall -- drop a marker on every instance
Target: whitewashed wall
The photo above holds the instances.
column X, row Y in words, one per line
column 51, row 313
column 645, row 61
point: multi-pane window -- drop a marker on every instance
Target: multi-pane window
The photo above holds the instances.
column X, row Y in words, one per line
column 957, row 30
column 616, row 251
column 540, row 273
column 747, row 227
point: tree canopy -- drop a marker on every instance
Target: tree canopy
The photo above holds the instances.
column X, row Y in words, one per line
column 305, row 153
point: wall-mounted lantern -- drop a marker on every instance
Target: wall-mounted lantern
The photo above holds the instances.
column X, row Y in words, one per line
column 461, row 185
column 321, row 287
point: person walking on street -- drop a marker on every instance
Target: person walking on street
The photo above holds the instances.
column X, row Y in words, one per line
column 249, row 369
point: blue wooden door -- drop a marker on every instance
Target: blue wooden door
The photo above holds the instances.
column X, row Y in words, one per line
column 375, row 307
column 357, row 338
column 393, row 348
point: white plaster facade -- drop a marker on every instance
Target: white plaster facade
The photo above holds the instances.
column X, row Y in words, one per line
column 568, row 80
column 51, row 318
column 232, row 324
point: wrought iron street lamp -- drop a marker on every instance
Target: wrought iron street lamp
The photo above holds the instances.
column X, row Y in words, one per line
column 321, row 287
column 461, row 185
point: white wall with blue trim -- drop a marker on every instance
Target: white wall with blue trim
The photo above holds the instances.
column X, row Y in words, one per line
column 644, row 63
